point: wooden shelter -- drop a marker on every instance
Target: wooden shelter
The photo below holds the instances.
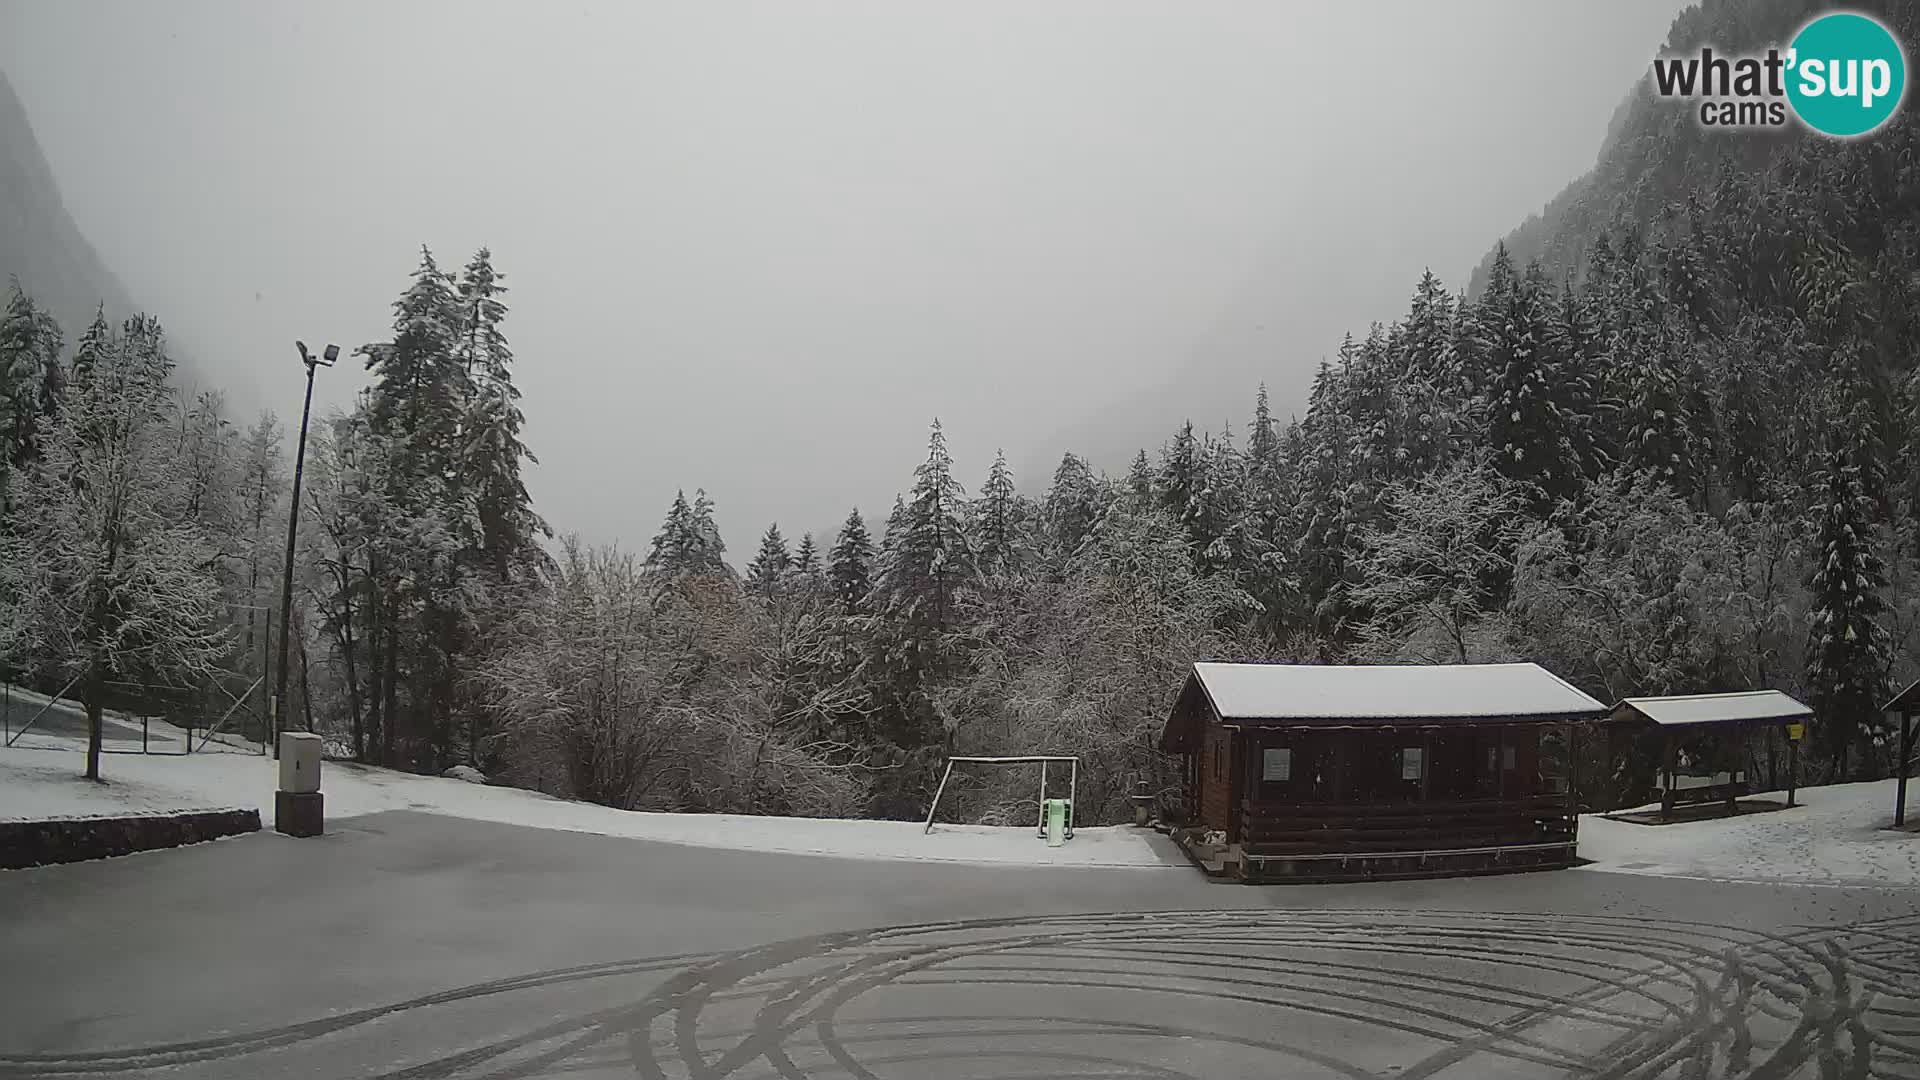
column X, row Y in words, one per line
column 1697, row 762
column 1317, row 772
column 1905, row 705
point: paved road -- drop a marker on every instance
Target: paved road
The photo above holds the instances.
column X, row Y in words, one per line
column 408, row 945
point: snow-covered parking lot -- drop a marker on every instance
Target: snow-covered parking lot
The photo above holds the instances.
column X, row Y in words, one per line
column 1836, row 836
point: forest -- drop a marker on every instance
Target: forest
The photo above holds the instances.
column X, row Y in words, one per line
column 1668, row 442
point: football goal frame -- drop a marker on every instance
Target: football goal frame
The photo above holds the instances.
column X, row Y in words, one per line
column 1043, row 760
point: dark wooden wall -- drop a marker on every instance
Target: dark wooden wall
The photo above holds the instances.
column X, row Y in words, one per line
column 1216, row 776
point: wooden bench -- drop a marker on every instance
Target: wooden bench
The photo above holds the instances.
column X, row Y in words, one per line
column 1715, row 787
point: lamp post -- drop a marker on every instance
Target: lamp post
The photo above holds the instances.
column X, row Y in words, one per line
column 279, row 705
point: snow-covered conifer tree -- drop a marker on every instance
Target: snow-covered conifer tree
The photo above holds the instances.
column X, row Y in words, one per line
column 1140, row 483
column 997, row 521
column 1529, row 426
column 930, row 557
column 806, row 558
column 1846, row 645
column 850, row 565
column 31, row 382
column 1072, row 506
column 768, row 570
column 493, row 448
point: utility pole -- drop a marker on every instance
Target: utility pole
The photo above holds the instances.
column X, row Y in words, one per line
column 279, row 704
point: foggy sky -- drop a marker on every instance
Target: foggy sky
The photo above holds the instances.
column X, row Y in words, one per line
column 757, row 247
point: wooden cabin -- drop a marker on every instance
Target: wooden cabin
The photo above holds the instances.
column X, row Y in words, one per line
column 1319, row 772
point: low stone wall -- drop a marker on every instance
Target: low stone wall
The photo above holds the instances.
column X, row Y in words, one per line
column 38, row 843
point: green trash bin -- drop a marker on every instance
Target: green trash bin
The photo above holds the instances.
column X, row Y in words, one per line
column 1058, row 816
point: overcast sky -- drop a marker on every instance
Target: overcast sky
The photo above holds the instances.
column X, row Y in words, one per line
column 757, row 247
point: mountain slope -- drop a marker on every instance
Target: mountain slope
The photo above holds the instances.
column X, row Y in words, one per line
column 1657, row 154
column 39, row 242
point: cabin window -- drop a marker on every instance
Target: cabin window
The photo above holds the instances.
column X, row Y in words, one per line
column 1553, row 750
column 1300, row 770
column 1376, row 770
column 1452, row 768
column 1219, row 760
column 1413, row 762
column 1511, row 757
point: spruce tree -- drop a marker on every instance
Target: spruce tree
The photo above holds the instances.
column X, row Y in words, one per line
column 1484, row 323
column 997, row 522
column 493, row 448
column 890, row 535
column 688, row 541
column 1264, row 555
column 1528, row 425
column 768, row 570
column 1219, row 523
column 90, row 352
column 850, row 565
column 806, row 558
column 1071, row 507
column 1140, row 492
column 708, row 550
column 1756, row 404
column 31, row 379
column 1579, row 353
column 673, row 545
column 1846, row 645
column 1376, row 443
column 421, row 388
column 930, row 557
column 1625, row 300
column 1180, row 475
column 1658, row 419
column 1427, row 337
column 417, row 412
column 1263, row 441
column 1428, row 384
column 1328, row 503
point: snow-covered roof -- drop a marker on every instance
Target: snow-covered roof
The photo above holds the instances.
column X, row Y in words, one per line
column 1326, row 693
column 1747, row 706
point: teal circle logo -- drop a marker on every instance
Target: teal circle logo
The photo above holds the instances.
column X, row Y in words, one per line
column 1846, row 74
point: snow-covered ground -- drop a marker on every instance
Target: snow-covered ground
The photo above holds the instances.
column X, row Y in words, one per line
column 1837, row 836
column 43, row 783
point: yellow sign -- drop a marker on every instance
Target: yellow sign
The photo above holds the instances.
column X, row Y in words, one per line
column 1795, row 732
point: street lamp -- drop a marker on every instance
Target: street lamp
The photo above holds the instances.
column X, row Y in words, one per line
column 279, row 705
